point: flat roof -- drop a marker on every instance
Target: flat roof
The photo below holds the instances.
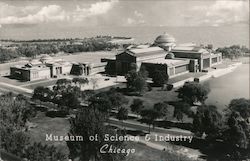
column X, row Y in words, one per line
column 193, row 49
column 141, row 52
column 169, row 62
column 31, row 67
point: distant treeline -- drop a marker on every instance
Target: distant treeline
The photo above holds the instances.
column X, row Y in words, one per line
column 32, row 49
column 233, row 51
column 107, row 38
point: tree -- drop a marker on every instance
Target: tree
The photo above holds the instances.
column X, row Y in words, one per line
column 122, row 114
column 231, row 52
column 149, row 116
column 143, row 72
column 193, row 92
column 63, row 82
column 178, row 114
column 237, row 133
column 42, row 93
column 13, row 141
column 87, row 94
column 101, row 102
column 136, row 81
column 160, row 78
column 161, row 108
column 137, row 106
column 94, row 82
column 80, row 81
column 116, row 98
column 70, row 100
column 181, row 108
column 90, row 122
column 15, row 112
column 242, row 106
column 40, row 152
column 207, row 120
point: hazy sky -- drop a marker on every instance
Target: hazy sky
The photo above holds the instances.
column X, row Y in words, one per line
column 37, row 13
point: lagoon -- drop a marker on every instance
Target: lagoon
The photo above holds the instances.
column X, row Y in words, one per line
column 229, row 86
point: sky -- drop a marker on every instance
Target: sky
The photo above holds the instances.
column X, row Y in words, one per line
column 38, row 18
column 123, row 13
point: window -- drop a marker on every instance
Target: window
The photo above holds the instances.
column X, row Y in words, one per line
column 214, row 60
column 35, row 75
column 181, row 69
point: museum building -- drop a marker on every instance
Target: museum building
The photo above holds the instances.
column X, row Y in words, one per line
column 165, row 55
column 47, row 67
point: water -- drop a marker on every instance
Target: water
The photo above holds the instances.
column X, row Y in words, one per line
column 229, row 86
column 219, row 36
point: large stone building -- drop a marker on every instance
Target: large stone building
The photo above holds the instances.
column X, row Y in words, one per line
column 30, row 72
column 47, row 67
column 152, row 58
column 205, row 57
column 165, row 55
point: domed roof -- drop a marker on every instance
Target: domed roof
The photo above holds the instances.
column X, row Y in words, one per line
column 170, row 56
column 164, row 38
column 46, row 57
column 35, row 61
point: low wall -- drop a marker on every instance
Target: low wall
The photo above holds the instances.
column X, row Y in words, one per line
column 4, row 72
column 216, row 73
column 182, row 82
column 204, row 77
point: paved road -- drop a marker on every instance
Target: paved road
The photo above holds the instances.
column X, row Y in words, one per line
column 144, row 127
column 15, row 89
column 160, row 145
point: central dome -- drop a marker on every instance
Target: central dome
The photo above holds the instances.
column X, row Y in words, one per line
column 164, row 38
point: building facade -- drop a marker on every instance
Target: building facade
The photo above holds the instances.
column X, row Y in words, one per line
column 30, row 72
column 125, row 60
column 205, row 57
column 59, row 68
column 164, row 55
column 47, row 67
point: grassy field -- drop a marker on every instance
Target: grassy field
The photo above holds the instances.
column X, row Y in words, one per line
column 91, row 57
column 47, row 125
column 155, row 96
column 44, row 83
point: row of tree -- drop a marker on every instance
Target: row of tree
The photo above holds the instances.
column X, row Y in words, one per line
column 34, row 49
column 233, row 51
column 66, row 93
column 91, row 121
column 137, row 80
column 230, row 129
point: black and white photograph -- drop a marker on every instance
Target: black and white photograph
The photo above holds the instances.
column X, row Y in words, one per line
column 124, row 80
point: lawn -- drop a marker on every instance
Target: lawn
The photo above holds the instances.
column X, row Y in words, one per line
column 154, row 96
column 91, row 57
column 44, row 83
column 145, row 153
column 47, row 125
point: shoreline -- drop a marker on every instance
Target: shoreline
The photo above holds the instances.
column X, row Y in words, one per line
column 211, row 74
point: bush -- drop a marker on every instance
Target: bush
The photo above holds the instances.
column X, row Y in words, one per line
column 149, row 87
column 41, row 108
column 196, row 80
column 160, row 78
column 60, row 113
column 170, row 87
